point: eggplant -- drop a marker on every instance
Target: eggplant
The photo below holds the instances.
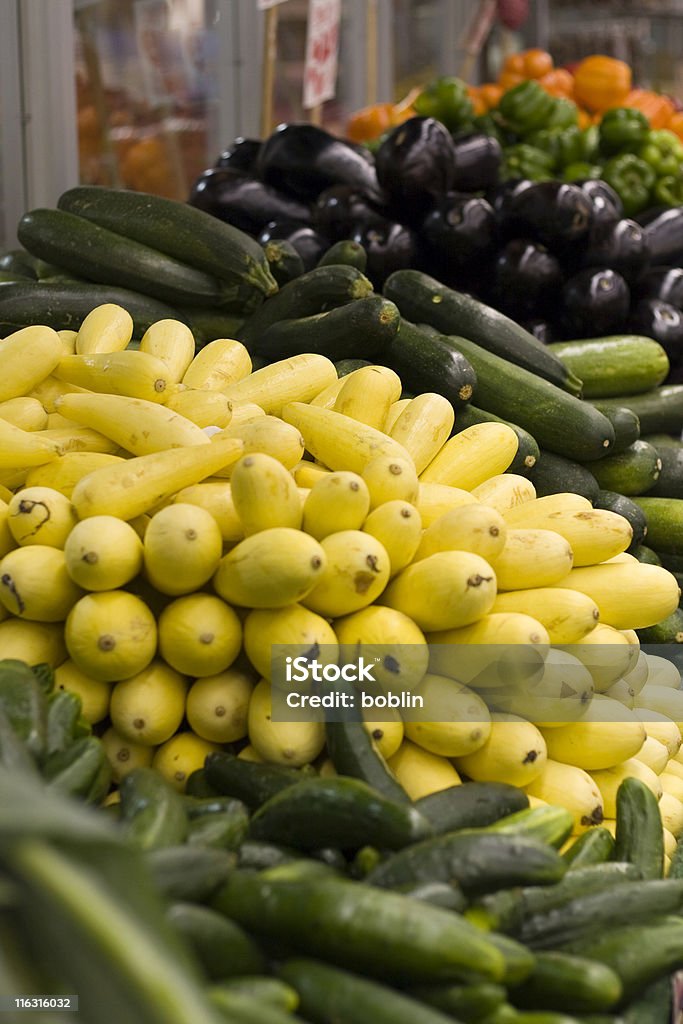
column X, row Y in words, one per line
column 458, row 231
column 390, row 246
column 620, row 245
column 339, row 209
column 541, row 329
column 607, row 206
column 527, row 279
column 244, row 202
column 550, row 212
column 662, row 321
column 415, row 166
column 664, row 283
column 240, row 156
column 664, row 233
column 308, row 243
column 303, row 159
column 595, row 303
column 477, row 162
column 502, row 195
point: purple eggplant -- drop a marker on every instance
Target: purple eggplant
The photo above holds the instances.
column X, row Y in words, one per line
column 621, row 245
column 527, row 279
column 595, row 303
column 665, row 283
column 550, row 212
column 541, row 329
column 664, row 233
column 240, row 156
column 308, row 243
column 389, row 246
column 607, row 206
column 415, row 166
column 459, row 230
column 339, row 209
column 477, row 162
column 244, row 202
column 657, row 319
column 303, row 159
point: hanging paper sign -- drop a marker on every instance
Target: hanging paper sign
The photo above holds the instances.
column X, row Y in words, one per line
column 322, row 44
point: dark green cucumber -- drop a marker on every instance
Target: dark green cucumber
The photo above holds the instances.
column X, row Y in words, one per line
column 552, row 825
column 668, row 631
column 14, row 754
column 625, row 423
column 633, row 471
column 23, row 701
column 201, row 807
column 664, row 523
column 346, row 366
column 471, row 805
column 366, row 326
column 242, row 1008
column 554, row 474
column 645, row 554
column 528, row 452
column 627, row 508
column 572, row 982
column 357, row 926
column 261, row 856
column 639, row 837
column 676, row 866
column 347, row 252
column 75, row 769
column 107, row 257
column 226, row 830
column 252, row 783
column 425, row 361
column 20, row 262
column 478, row 861
column 63, row 713
column 65, row 306
column 208, row 324
column 652, row 1006
column 299, row 869
column 622, row 364
column 14, row 277
column 315, row 292
column 519, row 960
column 341, row 812
column 176, row 229
column 220, row 945
column 262, row 988
column 669, row 484
column 470, row 1004
column 560, row 422
column 191, row 873
column 594, row 846
column 422, row 299
column 659, row 410
column 284, row 261
column 440, row 894
column 198, row 786
column 152, row 812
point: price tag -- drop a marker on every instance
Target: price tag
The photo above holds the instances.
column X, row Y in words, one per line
column 263, row 5
column 322, row 44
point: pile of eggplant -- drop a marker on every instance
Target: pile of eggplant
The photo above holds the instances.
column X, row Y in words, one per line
column 559, row 258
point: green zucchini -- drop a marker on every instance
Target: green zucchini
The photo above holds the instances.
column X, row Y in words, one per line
column 366, row 326
column 189, row 873
column 622, row 364
column 284, row 261
column 572, row 982
column 519, row 960
column 152, row 812
column 552, row 825
column 664, row 523
column 245, row 1008
column 201, row 807
column 645, row 554
column 470, row 1004
column 440, row 894
column 176, row 229
column 14, row 277
column 260, row 856
column 65, row 306
column 659, row 410
column 263, row 988
column 23, row 701
column 627, row 508
column 63, row 714
column 346, row 366
column 348, row 252
column 554, row 474
column 315, row 292
column 668, row 631
column 82, row 769
column 639, row 837
column 528, row 452
column 471, row 805
column 426, row 361
column 198, row 786
column 208, row 324
column 669, row 484
column 342, row 812
column 225, row 830
column 107, row 257
column 14, row 754
column 560, row 422
column 252, row 783
column 594, row 846
column 422, row 299
column 357, row 926
column 365, row 861
column 631, row 472
column 652, row 1006
column 625, row 423
column 20, row 262
column 220, row 945
column 299, row 869
column 479, row 861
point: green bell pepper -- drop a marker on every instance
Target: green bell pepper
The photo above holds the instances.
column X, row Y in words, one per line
column 564, row 145
column 668, row 191
column 525, row 161
column 663, row 151
column 590, row 143
column 623, row 129
column 446, row 99
column 527, row 107
column 632, row 179
column 565, row 114
column 581, row 171
column 490, row 125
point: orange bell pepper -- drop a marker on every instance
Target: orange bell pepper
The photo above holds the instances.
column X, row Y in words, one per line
column 657, row 109
column 601, row 82
column 370, row 122
column 676, row 124
column 537, row 63
column 508, row 79
column 558, row 82
column 514, row 64
column 490, row 94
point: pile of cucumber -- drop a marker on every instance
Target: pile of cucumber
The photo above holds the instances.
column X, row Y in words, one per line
column 268, row 895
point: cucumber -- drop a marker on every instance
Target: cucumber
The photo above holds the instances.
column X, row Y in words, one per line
column 107, row 257
column 625, row 424
column 208, row 324
column 20, row 262
column 220, row 945
column 676, row 866
column 627, row 508
column 470, row 1004
column 572, row 982
column 347, row 252
column 22, row 699
column 633, row 471
column 242, row 1008
column 619, row 365
column 366, row 326
column 554, row 474
column 668, row 631
column 284, row 261
column 252, row 783
column 342, row 812
column 65, row 306
column 560, row 422
column 422, row 299
column 189, row 873
column 669, row 484
column 519, row 960
column 659, row 410
column 332, row 996
column 201, row 807
column 152, row 812
column 552, row 825
column 425, row 361
column 357, row 926
column 14, row 277
column 225, row 830
column 365, row 861
column 653, row 1006
column 440, row 894
column 178, row 230
column 299, row 869
column 595, row 846
column 315, row 292
column 478, row 861
column 528, row 452
column 263, row 988
column 664, row 523
column 639, row 837
column 78, row 768
column 14, row 754
column 346, row 366
column 644, row 554
column 198, row 786
column 63, row 714
column 471, row 805
column 261, row 856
